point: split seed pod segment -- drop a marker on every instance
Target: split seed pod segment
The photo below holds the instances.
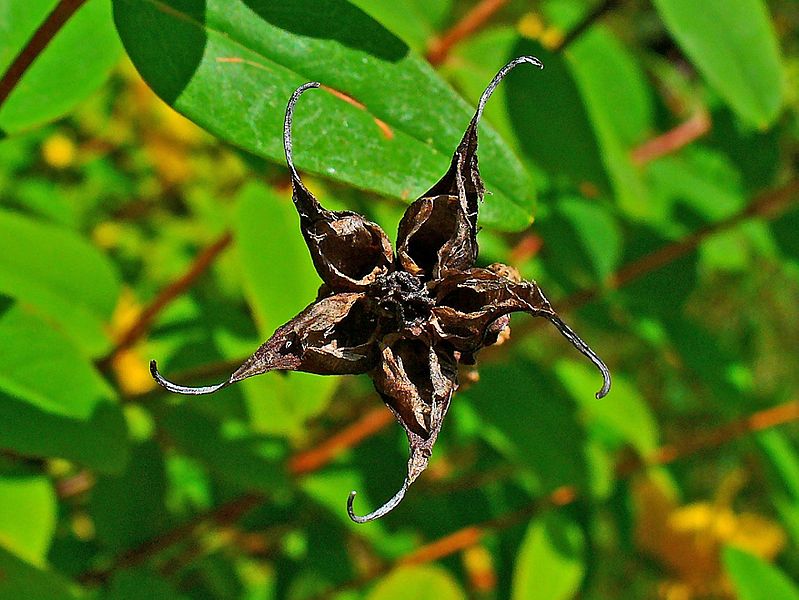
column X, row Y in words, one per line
column 408, row 319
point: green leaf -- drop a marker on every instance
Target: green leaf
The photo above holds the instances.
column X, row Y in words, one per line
column 28, row 510
column 755, row 579
column 232, row 65
column 733, row 44
column 280, row 281
column 58, row 404
column 229, row 449
column 139, row 584
column 60, row 274
column 618, row 103
column 552, row 122
column 415, row 21
column 622, row 418
column 129, row 508
column 19, row 579
column 550, row 564
column 421, row 582
column 534, row 423
column 596, row 233
column 73, row 65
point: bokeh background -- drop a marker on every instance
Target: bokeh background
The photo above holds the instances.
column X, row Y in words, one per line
column 646, row 178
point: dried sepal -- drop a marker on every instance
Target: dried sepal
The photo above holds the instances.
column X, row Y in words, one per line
column 333, row 336
column 439, row 230
column 469, row 304
column 416, row 380
column 348, row 251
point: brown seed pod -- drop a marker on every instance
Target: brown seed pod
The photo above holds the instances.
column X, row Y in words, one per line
column 408, row 321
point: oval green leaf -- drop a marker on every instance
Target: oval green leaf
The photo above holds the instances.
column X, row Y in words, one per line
column 421, row 582
column 58, row 404
column 733, row 44
column 231, row 66
column 73, row 65
column 61, row 275
column 755, row 579
column 280, row 281
column 550, row 564
column 28, row 512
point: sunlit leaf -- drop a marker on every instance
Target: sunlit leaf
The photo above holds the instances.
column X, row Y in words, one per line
column 27, row 516
column 425, row 582
column 550, row 564
column 280, row 281
column 755, row 579
column 58, row 403
column 60, row 274
column 626, row 419
column 732, row 43
column 233, row 66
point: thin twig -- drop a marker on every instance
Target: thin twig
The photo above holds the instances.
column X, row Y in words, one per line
column 224, row 514
column 167, row 295
column 439, row 48
column 674, row 139
column 470, row 535
column 368, row 425
column 36, row 44
column 768, row 205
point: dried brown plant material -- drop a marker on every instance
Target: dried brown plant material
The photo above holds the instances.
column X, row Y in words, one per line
column 406, row 320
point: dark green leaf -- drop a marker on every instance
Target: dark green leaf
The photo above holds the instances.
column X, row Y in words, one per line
column 138, row 584
column 534, row 423
column 129, row 508
column 232, row 66
column 231, row 451
column 19, row 579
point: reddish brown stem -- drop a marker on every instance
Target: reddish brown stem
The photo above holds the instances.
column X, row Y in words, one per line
column 368, row 425
column 440, row 47
column 225, row 514
column 471, row 535
column 171, row 292
column 673, row 140
column 38, row 42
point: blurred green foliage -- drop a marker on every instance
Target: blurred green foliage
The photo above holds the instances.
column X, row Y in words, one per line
column 646, row 178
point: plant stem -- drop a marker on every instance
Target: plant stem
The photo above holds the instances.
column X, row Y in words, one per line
column 38, row 42
column 440, row 47
column 166, row 296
